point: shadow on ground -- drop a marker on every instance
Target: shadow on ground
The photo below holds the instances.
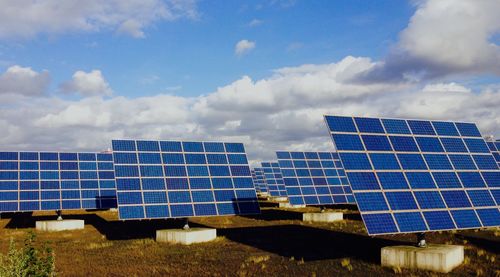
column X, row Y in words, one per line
column 281, row 214
column 113, row 230
column 308, row 243
column 485, row 239
column 275, row 214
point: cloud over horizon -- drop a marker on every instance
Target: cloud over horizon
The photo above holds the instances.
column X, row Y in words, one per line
column 282, row 111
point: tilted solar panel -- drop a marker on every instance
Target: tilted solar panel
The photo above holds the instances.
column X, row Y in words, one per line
column 259, row 180
column 167, row 179
column 274, row 179
column 494, row 147
column 418, row 175
column 34, row 181
column 314, row 178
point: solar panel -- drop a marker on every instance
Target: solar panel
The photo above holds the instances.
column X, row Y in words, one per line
column 417, row 175
column 274, row 179
column 259, row 180
column 168, row 179
column 314, row 178
column 494, row 147
column 36, row 181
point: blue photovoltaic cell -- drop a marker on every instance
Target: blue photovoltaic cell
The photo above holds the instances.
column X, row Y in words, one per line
column 274, row 179
column 419, row 175
column 169, row 179
column 314, row 178
column 32, row 181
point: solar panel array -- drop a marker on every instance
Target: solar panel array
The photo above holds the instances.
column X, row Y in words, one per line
column 417, row 175
column 494, row 147
column 166, row 179
column 274, row 179
column 33, row 181
column 259, row 180
column 314, row 178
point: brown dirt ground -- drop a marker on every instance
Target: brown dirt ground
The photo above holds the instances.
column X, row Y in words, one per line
column 274, row 243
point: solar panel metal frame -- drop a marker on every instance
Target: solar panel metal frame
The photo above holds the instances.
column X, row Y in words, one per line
column 259, row 180
column 314, row 178
column 51, row 181
column 274, row 179
column 437, row 206
column 167, row 198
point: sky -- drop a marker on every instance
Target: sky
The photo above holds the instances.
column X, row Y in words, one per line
column 76, row 74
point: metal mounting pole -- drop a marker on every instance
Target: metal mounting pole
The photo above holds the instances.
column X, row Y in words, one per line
column 59, row 215
column 186, row 224
column 421, row 240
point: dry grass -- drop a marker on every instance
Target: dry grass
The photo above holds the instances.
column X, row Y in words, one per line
column 246, row 246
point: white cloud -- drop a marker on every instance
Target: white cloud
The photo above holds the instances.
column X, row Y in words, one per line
column 445, row 37
column 254, row 22
column 243, row 46
column 283, row 111
column 131, row 27
column 24, row 81
column 29, row 18
column 87, row 84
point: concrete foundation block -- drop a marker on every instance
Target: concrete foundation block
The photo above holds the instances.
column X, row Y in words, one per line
column 186, row 237
column 288, row 205
column 322, row 217
column 435, row 257
column 60, row 225
column 278, row 199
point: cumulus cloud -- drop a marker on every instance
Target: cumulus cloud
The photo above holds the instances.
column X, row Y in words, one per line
column 243, row 46
column 87, row 84
column 28, row 18
column 24, row 81
column 282, row 111
column 444, row 37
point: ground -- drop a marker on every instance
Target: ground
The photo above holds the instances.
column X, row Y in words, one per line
column 274, row 243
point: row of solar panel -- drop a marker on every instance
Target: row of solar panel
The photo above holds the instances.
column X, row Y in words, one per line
column 55, row 175
column 96, row 203
column 180, row 170
column 54, row 156
column 401, row 126
column 187, row 210
column 49, row 185
column 176, row 146
column 409, row 144
column 386, row 161
column 30, row 165
column 194, row 183
column 273, row 178
column 409, row 222
column 422, row 180
column 179, row 158
column 314, row 178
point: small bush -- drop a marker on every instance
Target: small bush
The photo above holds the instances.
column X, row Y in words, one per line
column 28, row 260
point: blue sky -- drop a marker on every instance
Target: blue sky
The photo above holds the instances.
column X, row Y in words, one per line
column 76, row 74
column 195, row 56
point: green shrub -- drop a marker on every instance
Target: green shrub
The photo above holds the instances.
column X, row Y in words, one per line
column 29, row 260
